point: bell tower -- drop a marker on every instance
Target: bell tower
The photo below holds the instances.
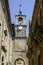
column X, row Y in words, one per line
column 20, row 45
column 20, row 25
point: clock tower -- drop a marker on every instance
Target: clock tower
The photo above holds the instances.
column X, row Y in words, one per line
column 20, row 26
column 20, row 43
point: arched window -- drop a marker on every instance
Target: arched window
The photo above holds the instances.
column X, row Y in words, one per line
column 19, row 61
column 20, row 20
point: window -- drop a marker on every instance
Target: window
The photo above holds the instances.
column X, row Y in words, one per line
column 0, row 25
column 7, row 63
column 3, row 10
column 39, row 60
column 32, row 61
column 20, row 20
column 2, row 63
column 5, row 32
column 42, row 2
column 2, row 58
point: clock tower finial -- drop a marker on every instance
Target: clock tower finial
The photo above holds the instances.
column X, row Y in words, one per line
column 20, row 12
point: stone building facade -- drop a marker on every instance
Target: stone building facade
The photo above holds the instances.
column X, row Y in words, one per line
column 5, row 33
column 35, row 39
column 13, row 40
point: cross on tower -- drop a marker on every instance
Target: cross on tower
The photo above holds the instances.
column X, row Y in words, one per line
column 20, row 12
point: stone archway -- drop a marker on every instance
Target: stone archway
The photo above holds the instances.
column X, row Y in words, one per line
column 19, row 61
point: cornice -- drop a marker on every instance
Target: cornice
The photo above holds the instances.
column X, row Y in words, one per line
column 20, row 15
column 20, row 37
column 21, row 25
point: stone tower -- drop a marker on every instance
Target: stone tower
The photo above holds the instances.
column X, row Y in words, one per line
column 20, row 45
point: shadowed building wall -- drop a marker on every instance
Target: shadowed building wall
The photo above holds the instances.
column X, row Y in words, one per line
column 35, row 39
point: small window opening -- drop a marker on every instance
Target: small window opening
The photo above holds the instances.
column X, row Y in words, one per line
column 2, row 58
column 3, row 48
column 2, row 63
column 20, row 20
column 0, row 24
column 5, row 32
column 39, row 60
column 7, row 63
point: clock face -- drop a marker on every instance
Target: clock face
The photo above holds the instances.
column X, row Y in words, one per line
column 20, row 27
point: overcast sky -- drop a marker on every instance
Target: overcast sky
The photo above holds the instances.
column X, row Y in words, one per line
column 27, row 9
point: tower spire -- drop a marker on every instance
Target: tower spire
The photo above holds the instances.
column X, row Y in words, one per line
column 20, row 12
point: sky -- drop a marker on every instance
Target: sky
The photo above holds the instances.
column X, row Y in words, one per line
column 27, row 9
